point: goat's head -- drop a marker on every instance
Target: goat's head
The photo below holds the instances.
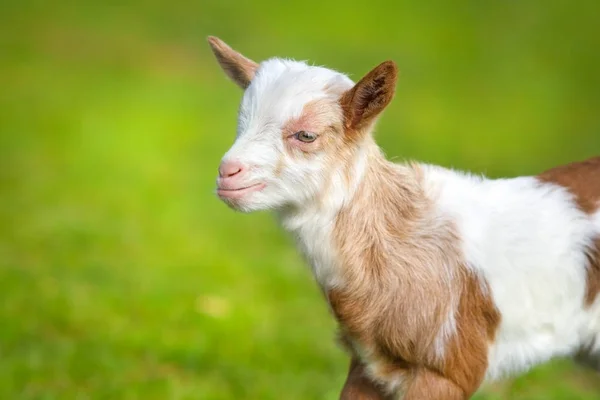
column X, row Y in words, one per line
column 298, row 127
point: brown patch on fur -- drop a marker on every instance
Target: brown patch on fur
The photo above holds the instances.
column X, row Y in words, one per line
column 477, row 319
column 582, row 179
column 316, row 117
column 367, row 99
column 403, row 277
column 240, row 69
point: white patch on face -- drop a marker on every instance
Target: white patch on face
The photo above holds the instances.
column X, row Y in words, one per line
column 278, row 94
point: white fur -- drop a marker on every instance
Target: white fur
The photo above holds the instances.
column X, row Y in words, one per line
column 312, row 230
column 528, row 240
column 277, row 94
column 312, row 223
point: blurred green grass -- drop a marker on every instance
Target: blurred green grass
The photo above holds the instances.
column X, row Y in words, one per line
column 122, row 276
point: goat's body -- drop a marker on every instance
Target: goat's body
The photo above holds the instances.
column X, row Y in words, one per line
column 530, row 242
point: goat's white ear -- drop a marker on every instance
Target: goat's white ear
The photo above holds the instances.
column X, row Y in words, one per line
column 238, row 68
column 367, row 99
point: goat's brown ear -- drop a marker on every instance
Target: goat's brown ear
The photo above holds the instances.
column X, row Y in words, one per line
column 365, row 101
column 238, row 68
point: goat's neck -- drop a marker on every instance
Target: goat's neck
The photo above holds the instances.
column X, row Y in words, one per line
column 313, row 224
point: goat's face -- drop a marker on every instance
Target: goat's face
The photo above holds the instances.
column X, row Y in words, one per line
column 298, row 125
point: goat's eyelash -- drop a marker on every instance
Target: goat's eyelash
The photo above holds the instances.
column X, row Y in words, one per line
column 295, row 134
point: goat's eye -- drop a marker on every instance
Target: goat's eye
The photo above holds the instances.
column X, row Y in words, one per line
column 305, row 137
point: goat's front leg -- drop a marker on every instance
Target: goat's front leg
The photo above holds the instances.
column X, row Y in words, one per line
column 359, row 386
column 428, row 385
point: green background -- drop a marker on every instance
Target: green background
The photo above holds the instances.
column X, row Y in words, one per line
column 121, row 274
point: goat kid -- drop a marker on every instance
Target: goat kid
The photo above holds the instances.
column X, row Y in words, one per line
column 439, row 279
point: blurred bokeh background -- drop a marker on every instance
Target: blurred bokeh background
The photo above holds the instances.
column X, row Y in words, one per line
column 121, row 274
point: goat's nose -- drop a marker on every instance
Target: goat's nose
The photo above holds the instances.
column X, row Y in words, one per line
column 228, row 169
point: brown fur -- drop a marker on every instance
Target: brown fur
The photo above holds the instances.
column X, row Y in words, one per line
column 477, row 319
column 403, row 275
column 582, row 179
column 403, row 272
column 429, row 385
column 316, row 117
column 238, row 68
column 363, row 103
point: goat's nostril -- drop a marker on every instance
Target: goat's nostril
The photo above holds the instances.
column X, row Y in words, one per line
column 230, row 168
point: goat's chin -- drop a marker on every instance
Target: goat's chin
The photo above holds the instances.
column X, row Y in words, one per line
column 245, row 206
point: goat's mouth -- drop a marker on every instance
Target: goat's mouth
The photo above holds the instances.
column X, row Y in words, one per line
column 237, row 193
